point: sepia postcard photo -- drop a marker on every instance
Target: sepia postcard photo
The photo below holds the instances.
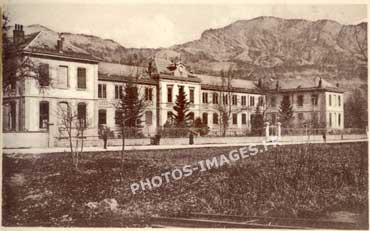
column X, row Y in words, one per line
column 175, row 114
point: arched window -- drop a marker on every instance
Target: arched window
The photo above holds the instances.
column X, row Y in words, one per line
column 118, row 117
column 215, row 118
column 43, row 114
column 9, row 116
column 205, row 118
column 102, row 117
column 81, row 113
column 148, row 118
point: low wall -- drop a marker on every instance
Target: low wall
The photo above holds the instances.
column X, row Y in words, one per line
column 40, row 139
column 25, row 139
column 230, row 140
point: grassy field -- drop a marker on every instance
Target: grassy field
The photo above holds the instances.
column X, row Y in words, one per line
column 307, row 181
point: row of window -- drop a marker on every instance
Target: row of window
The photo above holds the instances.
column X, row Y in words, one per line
column 215, row 97
column 44, row 110
column 102, row 117
column 215, row 117
column 118, row 91
column 81, row 114
column 62, row 80
column 181, row 88
column 300, row 100
column 234, row 99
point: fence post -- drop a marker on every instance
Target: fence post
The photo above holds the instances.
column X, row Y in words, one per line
column 278, row 130
column 267, row 130
column 51, row 133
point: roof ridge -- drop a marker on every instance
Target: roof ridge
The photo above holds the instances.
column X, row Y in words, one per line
column 32, row 40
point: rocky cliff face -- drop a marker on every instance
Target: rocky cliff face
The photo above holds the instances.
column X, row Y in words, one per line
column 266, row 47
column 279, row 46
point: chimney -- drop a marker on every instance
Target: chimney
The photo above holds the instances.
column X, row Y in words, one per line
column 18, row 34
column 259, row 84
column 337, row 85
column 277, row 85
column 320, row 83
column 60, row 44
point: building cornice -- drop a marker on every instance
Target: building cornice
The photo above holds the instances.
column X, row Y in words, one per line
column 125, row 79
column 61, row 56
column 311, row 89
column 232, row 89
column 178, row 78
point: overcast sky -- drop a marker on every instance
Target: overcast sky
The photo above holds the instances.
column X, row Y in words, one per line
column 164, row 25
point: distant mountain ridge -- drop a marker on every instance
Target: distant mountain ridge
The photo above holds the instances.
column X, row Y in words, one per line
column 266, row 47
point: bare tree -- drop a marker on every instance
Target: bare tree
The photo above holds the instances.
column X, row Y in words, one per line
column 74, row 126
column 130, row 110
column 224, row 106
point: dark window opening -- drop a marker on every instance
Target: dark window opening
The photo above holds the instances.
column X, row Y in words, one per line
column 235, row 118
column 235, row 100
column 118, row 117
column 191, row 95
column 205, row 97
column 244, row 118
column 169, row 94
column 215, row 118
column 102, row 91
column 102, row 117
column 314, row 100
column 148, row 94
column 251, row 101
column 44, row 78
column 244, row 100
column 81, row 114
column 205, row 118
column 117, row 92
column 300, row 100
column 44, row 114
column 81, row 78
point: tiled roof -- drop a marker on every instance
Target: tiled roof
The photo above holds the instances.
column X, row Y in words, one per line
column 122, row 73
column 304, row 84
column 45, row 42
column 117, row 78
column 216, row 83
column 119, row 69
column 232, row 89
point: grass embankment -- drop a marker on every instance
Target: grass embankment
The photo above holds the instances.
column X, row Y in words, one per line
column 291, row 181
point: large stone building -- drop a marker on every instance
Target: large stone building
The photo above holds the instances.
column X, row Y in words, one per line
column 92, row 89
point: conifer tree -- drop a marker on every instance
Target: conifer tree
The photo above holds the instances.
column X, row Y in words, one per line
column 257, row 122
column 181, row 116
column 285, row 111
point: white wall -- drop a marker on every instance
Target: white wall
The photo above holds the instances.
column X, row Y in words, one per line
column 334, row 110
column 72, row 92
column 25, row 139
column 165, row 106
column 109, row 103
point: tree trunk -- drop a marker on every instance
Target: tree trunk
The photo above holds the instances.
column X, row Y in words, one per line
column 69, row 130
column 122, row 150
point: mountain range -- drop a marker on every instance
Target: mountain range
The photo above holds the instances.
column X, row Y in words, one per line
column 263, row 47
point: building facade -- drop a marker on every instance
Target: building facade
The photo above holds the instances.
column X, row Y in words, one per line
column 91, row 88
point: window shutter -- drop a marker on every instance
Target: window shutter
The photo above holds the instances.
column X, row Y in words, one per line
column 81, row 78
column 44, row 75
